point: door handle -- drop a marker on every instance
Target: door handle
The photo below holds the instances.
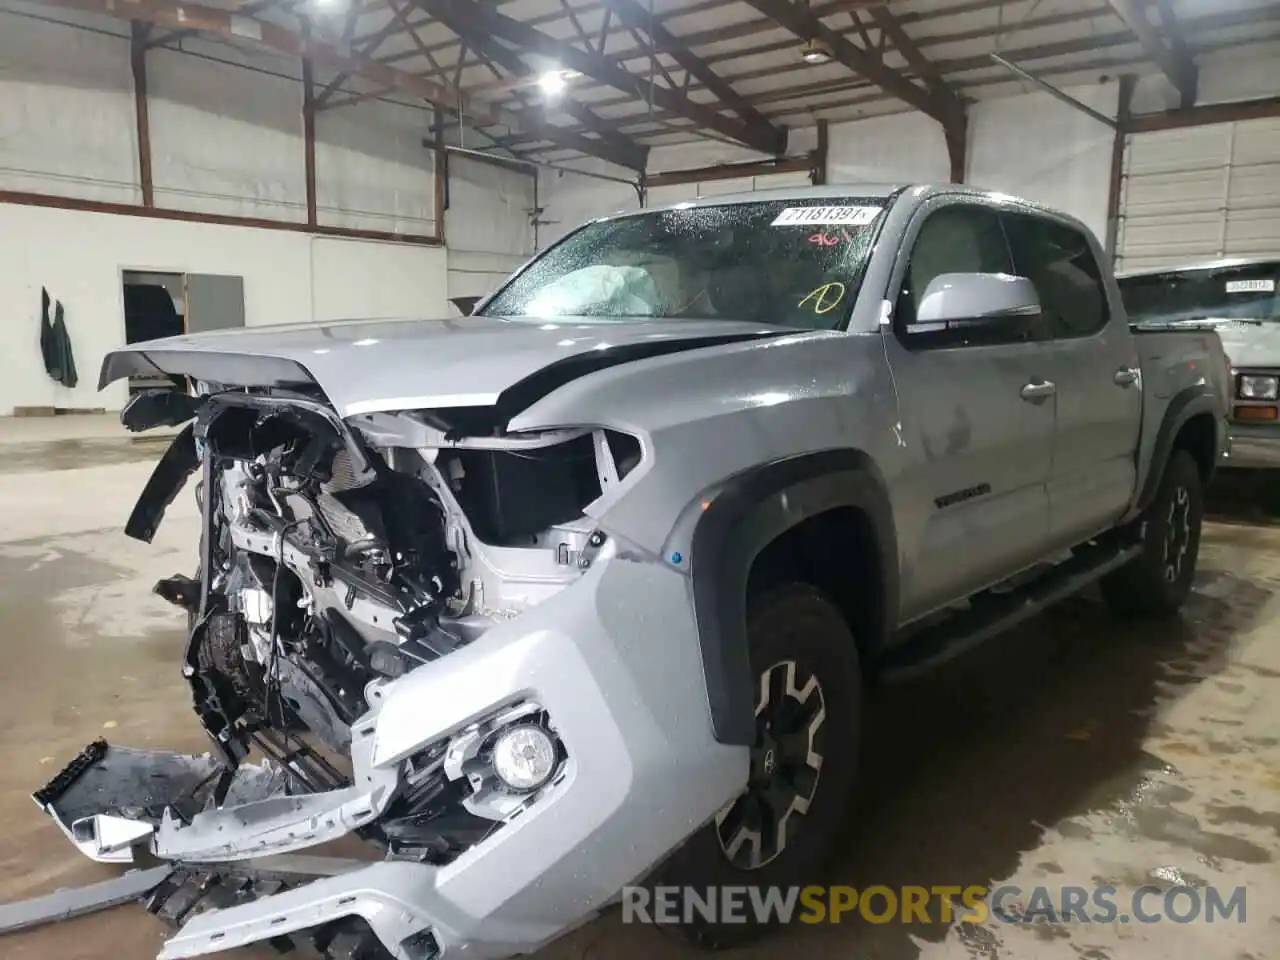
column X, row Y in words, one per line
column 1038, row 392
column 1127, row 376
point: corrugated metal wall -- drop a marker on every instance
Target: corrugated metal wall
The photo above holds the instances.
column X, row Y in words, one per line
column 226, row 131
column 227, row 138
column 1201, row 193
column 1029, row 145
column 660, row 196
column 489, row 226
column 66, row 112
column 569, row 200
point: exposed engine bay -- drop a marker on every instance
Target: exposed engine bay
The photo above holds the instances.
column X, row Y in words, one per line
column 439, row 605
column 335, row 560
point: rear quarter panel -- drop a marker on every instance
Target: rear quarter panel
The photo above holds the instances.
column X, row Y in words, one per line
column 1184, row 373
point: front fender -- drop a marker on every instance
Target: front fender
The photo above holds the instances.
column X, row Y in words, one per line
column 746, row 515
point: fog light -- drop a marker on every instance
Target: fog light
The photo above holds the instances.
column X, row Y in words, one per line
column 524, row 757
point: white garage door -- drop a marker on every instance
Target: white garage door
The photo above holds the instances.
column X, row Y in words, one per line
column 677, row 193
column 1200, row 193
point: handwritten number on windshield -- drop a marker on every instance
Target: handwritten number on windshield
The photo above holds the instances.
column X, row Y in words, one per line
column 825, row 298
column 830, row 239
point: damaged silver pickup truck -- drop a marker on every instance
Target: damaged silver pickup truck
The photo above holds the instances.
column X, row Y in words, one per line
column 582, row 590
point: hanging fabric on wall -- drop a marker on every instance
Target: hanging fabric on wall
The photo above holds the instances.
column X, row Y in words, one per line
column 55, row 343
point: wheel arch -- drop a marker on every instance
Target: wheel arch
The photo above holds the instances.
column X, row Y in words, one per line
column 1190, row 423
column 1198, row 435
column 763, row 513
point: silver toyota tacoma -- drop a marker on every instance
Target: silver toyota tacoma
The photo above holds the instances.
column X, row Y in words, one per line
column 1240, row 299
column 583, row 590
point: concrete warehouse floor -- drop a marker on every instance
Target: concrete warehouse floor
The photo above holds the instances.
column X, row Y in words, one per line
column 1073, row 751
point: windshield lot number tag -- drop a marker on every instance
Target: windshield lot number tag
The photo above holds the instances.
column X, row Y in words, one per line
column 826, row 216
column 1251, row 286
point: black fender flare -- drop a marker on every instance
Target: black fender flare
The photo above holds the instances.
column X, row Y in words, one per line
column 750, row 511
column 1187, row 403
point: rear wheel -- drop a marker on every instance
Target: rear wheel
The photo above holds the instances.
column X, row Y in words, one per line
column 784, row 827
column 1157, row 581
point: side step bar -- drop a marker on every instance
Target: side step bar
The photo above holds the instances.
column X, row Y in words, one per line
column 992, row 614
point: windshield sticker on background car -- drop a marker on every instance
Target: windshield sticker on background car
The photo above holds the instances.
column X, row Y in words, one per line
column 1251, row 286
column 826, row 216
column 825, row 298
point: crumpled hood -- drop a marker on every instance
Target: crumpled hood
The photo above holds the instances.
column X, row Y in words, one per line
column 383, row 365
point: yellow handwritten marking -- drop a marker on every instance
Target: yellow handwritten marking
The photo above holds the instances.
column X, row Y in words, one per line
column 825, row 298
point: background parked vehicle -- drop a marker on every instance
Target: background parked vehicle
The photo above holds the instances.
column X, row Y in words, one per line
column 1240, row 299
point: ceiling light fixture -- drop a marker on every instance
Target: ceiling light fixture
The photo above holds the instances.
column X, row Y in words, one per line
column 553, row 83
column 816, row 52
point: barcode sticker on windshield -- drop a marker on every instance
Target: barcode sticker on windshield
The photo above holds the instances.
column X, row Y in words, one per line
column 1251, row 286
column 826, row 216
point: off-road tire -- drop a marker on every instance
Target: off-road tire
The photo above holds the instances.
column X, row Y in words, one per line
column 788, row 624
column 1157, row 581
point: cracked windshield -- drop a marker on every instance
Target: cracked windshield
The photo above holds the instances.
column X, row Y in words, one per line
column 784, row 262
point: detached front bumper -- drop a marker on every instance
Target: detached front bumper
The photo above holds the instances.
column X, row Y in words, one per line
column 614, row 662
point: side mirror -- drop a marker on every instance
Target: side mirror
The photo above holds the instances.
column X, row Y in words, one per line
column 977, row 299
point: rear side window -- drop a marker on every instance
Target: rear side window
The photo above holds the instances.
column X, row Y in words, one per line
column 1060, row 262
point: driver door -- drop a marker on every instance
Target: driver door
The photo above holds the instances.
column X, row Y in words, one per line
column 974, row 487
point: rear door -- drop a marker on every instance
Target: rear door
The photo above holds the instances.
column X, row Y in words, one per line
column 972, row 499
column 1096, row 371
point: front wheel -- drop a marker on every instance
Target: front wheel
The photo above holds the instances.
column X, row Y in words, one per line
column 782, row 830
column 1158, row 580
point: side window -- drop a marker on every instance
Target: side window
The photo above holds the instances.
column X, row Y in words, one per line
column 955, row 239
column 1060, row 262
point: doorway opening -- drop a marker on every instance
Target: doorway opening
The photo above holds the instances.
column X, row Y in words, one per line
column 155, row 305
column 158, row 304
